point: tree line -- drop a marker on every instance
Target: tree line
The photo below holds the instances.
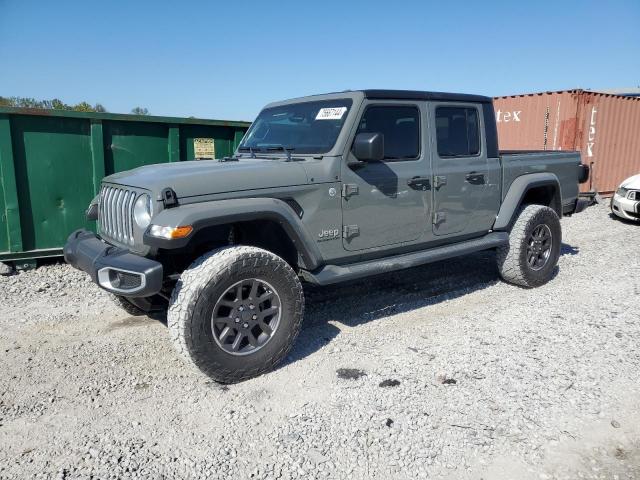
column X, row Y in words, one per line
column 56, row 104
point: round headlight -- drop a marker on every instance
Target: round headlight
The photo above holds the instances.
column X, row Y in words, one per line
column 142, row 211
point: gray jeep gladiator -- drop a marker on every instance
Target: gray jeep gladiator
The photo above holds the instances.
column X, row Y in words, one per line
column 322, row 189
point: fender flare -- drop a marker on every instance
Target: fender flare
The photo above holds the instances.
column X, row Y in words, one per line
column 221, row 212
column 517, row 190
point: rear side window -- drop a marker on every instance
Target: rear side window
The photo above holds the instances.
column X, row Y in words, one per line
column 457, row 132
column 401, row 129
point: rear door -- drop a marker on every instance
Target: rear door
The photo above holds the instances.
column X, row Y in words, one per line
column 384, row 203
column 462, row 174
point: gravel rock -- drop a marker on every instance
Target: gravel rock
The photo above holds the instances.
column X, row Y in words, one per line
column 389, row 382
column 350, row 373
column 5, row 269
column 87, row 391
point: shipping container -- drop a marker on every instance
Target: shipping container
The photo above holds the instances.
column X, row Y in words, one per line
column 52, row 162
column 605, row 128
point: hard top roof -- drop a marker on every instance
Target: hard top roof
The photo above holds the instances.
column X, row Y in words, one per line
column 420, row 95
column 388, row 95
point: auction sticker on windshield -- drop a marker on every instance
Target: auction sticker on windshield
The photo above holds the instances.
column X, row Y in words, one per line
column 334, row 113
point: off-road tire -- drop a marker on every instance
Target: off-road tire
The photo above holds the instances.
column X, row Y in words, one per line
column 127, row 306
column 199, row 288
column 512, row 258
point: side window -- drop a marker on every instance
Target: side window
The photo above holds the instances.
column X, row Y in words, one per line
column 457, row 132
column 401, row 129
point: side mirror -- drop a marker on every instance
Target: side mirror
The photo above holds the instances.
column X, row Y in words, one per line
column 369, row 147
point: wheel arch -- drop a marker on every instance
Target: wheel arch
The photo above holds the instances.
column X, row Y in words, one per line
column 535, row 188
column 261, row 222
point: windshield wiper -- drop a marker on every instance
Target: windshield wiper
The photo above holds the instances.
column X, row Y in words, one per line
column 287, row 150
column 250, row 150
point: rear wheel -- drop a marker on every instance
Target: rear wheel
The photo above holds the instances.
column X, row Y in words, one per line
column 235, row 312
column 534, row 247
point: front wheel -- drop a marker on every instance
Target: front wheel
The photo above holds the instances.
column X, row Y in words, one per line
column 534, row 247
column 235, row 312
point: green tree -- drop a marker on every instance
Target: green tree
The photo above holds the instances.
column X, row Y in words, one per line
column 53, row 104
column 28, row 102
column 58, row 104
column 83, row 107
column 140, row 111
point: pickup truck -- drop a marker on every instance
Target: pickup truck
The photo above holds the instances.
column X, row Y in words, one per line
column 322, row 189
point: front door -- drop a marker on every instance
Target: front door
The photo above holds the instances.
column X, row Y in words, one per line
column 461, row 171
column 384, row 203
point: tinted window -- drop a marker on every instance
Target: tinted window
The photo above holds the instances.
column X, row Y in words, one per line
column 308, row 127
column 400, row 127
column 457, row 131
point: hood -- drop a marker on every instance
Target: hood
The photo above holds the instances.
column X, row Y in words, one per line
column 203, row 177
column 632, row 182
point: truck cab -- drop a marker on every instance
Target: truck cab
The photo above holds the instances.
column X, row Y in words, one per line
column 437, row 175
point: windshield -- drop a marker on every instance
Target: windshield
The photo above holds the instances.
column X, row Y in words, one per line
column 309, row 127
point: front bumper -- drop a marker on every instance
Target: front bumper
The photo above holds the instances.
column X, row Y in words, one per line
column 625, row 208
column 114, row 269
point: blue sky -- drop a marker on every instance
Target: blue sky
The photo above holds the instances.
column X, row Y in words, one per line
column 227, row 59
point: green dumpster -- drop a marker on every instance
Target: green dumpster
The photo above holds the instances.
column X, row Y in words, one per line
column 52, row 162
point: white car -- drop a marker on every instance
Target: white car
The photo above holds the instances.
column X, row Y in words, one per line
column 625, row 203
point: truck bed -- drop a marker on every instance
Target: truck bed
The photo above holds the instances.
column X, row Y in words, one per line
column 563, row 164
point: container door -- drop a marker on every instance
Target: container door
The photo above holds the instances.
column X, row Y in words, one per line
column 54, row 177
column 4, row 237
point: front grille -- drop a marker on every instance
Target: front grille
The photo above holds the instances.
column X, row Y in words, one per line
column 115, row 213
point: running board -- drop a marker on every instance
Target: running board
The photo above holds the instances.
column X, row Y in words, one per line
column 336, row 273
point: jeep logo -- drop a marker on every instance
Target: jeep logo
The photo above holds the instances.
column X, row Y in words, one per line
column 328, row 234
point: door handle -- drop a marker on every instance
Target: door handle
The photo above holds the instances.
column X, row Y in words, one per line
column 475, row 178
column 419, row 183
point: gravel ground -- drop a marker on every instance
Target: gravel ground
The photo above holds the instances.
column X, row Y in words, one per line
column 440, row 371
